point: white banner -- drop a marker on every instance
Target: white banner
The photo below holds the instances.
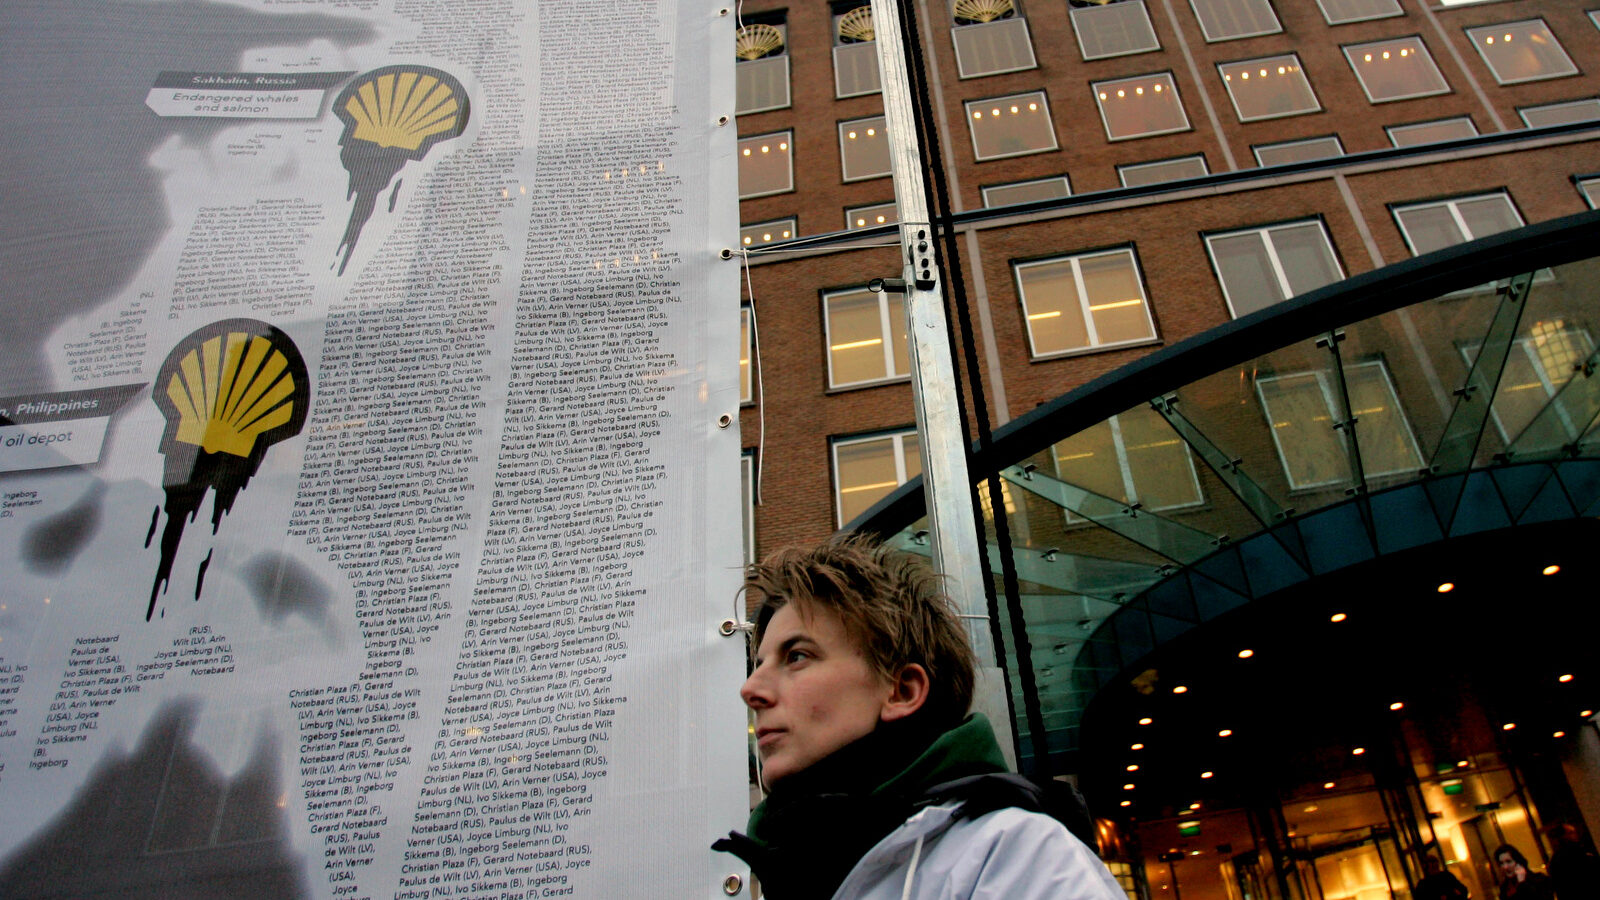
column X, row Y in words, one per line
column 367, row 506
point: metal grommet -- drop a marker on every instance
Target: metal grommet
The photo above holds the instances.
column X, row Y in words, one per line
column 727, row 253
column 727, row 628
column 722, row 120
column 731, row 885
column 724, row 420
column 723, row 11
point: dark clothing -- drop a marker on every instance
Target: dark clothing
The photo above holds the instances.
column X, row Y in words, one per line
column 1440, row 886
column 1576, row 872
column 1534, row 887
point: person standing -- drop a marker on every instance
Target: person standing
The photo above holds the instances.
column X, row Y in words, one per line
column 1574, row 868
column 1438, row 884
column 1516, row 882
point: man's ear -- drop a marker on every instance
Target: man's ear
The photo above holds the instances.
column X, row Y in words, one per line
column 909, row 691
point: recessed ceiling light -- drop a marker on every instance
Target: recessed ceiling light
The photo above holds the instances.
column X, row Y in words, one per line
column 1559, row 734
column 1327, row 785
column 1246, row 653
column 1464, row 763
column 1358, row 751
column 1128, row 786
column 1127, row 803
column 1551, row 570
column 1564, row 679
column 1397, row 705
column 1137, row 747
column 1195, row 805
column 1180, row 689
column 1338, row 617
column 1586, row 713
column 1207, row 774
column 1133, row 767
column 1194, row 852
column 1226, row 732
column 1509, row 726
column 1145, row 721
column 1446, row 588
column 1312, row 808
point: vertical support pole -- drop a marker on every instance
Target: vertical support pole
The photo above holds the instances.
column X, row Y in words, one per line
column 946, row 483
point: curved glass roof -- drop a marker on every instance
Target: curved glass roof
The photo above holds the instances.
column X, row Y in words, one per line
column 1447, row 395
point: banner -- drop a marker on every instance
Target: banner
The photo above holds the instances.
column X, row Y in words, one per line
column 368, row 441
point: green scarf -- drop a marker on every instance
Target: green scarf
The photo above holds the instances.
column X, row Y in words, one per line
column 813, row 828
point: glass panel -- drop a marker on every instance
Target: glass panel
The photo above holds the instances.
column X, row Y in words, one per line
column 761, row 84
column 1137, row 107
column 855, row 335
column 1298, row 151
column 767, row 232
column 1488, row 215
column 855, row 69
column 1306, row 257
column 1248, row 281
column 1268, row 88
column 864, row 148
column 1396, row 69
column 1432, row 132
column 1429, row 228
column 1011, row 126
column 899, row 348
column 1027, row 192
column 747, row 495
column 1158, row 461
column 1302, row 428
column 867, row 470
column 1088, row 460
column 1116, row 299
column 993, row 47
column 764, row 165
column 870, row 216
column 1053, row 306
column 1167, row 170
column 1521, row 51
column 911, row 455
column 1223, row 20
column 1115, row 29
column 1590, row 189
column 746, row 373
column 1561, row 113
column 1382, row 431
column 1337, row 12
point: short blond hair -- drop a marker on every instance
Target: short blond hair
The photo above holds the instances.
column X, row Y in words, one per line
column 890, row 603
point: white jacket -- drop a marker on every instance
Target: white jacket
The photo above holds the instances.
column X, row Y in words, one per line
column 1008, row 854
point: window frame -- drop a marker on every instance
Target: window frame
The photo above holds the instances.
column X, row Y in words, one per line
column 1205, row 169
column 850, row 212
column 1554, row 41
column 1331, row 402
column 1018, row 18
column 788, row 147
column 1044, row 101
column 1201, row 21
column 1427, row 54
column 1326, row 17
column 747, row 351
column 1278, row 271
column 895, row 435
column 1522, row 111
column 794, row 231
column 886, row 335
column 1588, row 188
column 983, row 191
column 1389, row 130
column 778, row 20
column 1077, row 29
column 1096, row 87
column 838, row 88
column 882, row 122
column 1453, row 203
column 1227, row 83
column 1255, row 149
column 1084, row 302
column 747, row 485
column 1469, row 352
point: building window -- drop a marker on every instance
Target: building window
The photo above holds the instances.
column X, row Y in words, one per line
column 1074, row 303
column 855, row 51
column 1141, row 106
column 1538, row 366
column 1140, row 174
column 1433, row 226
column 747, row 346
column 1453, row 129
column 1134, row 457
column 767, row 232
column 1282, row 154
column 990, row 37
column 1521, row 51
column 1027, row 191
column 1115, row 29
column 1594, row 16
column 864, row 148
column 1590, row 189
column 1263, row 266
column 1396, row 69
column 765, row 165
column 1268, row 88
column 1011, row 126
column 1339, row 12
column 1302, row 409
column 871, row 216
column 1225, row 20
column 747, row 490
column 866, row 469
column 762, row 73
column 866, row 334
column 1586, row 110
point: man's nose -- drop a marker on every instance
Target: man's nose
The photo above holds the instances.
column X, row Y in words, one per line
column 756, row 692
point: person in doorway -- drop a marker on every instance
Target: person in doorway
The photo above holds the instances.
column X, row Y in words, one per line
column 1516, row 882
column 1438, row 884
column 881, row 784
column 1574, row 868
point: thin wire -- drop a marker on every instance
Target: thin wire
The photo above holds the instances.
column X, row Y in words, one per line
column 761, row 388
column 798, row 246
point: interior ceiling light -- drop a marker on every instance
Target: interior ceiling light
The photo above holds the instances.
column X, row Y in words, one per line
column 1137, row 747
column 1358, row 751
column 1133, row 767
column 1195, row 805
column 1127, row 803
column 1462, row 764
column 1551, row 570
column 1559, row 734
column 1509, row 726
column 1327, row 785
column 1312, row 808
column 1194, row 852
column 1586, row 713
column 1338, row 617
column 1128, row 786
column 1207, row 774
column 1246, row 653
column 1226, row 732
column 1146, row 720
column 1446, row 588
column 1564, row 679
column 1397, row 705
column 1180, row 689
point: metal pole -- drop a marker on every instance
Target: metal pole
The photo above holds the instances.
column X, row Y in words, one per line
column 946, row 484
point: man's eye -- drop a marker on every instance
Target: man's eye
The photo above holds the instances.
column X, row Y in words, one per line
column 798, row 656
